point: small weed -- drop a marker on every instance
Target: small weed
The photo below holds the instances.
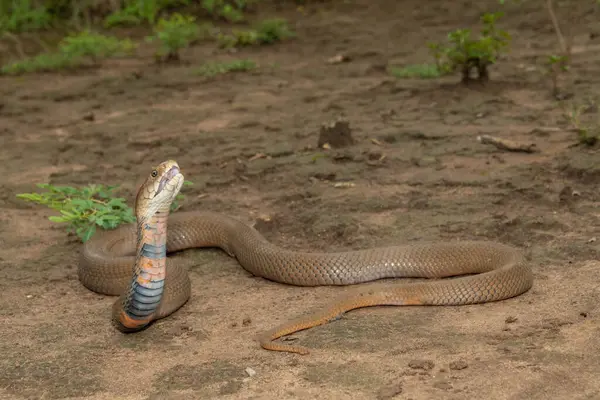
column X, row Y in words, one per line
column 84, row 209
column 73, row 51
column 135, row 12
column 424, row 71
column 588, row 133
column 45, row 62
column 94, row 46
column 273, row 30
column 237, row 38
column 24, row 15
column 213, row 69
column 175, row 33
column 229, row 10
column 266, row 32
column 465, row 53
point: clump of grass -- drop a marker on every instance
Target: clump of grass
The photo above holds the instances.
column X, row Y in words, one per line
column 87, row 44
column 423, row 71
column 175, row 33
column 465, row 53
column 273, row 30
column 23, row 15
column 213, row 68
column 73, row 51
column 45, row 62
column 228, row 10
column 265, row 32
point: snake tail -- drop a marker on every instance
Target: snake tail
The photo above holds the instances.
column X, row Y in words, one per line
column 465, row 290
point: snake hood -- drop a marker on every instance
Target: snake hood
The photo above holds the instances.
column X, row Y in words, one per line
column 158, row 190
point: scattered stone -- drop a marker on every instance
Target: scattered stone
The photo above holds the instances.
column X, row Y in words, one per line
column 375, row 155
column 336, row 134
column 425, row 365
column 250, row 372
column 324, row 176
column 264, row 224
column 89, row 116
column 246, row 321
column 338, row 59
column 510, row 319
column 458, row 365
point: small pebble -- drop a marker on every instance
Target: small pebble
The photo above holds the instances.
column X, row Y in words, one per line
column 250, row 372
column 421, row 364
column 458, row 365
column 510, row 319
column 89, row 116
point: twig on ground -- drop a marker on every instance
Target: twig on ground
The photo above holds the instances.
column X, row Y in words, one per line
column 561, row 39
column 508, row 145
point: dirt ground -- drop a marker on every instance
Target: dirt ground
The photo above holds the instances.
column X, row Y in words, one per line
column 435, row 182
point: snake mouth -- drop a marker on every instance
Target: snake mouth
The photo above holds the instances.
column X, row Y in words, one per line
column 171, row 173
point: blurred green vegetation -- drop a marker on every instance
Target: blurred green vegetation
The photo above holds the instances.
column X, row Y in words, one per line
column 84, row 29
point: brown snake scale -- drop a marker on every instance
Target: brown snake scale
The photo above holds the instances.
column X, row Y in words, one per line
column 494, row 271
column 501, row 272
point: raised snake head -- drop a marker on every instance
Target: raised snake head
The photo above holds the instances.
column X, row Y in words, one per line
column 159, row 190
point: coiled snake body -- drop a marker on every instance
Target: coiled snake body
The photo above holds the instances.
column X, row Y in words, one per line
column 131, row 262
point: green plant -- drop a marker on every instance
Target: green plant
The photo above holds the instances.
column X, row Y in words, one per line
column 229, row 10
column 464, row 53
column 587, row 133
column 45, row 62
column 72, row 51
column 135, row 12
column 273, row 30
column 424, row 71
column 23, row 15
column 237, row 38
column 84, row 209
column 175, row 33
column 212, row 68
column 265, row 32
column 87, row 44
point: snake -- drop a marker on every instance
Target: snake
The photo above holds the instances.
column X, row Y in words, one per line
column 131, row 262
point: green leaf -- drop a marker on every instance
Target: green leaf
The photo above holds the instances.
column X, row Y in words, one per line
column 88, row 233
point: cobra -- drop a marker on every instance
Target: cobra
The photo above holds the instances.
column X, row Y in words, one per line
column 131, row 262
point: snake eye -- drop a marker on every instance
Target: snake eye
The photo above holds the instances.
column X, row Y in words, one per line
column 154, row 173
